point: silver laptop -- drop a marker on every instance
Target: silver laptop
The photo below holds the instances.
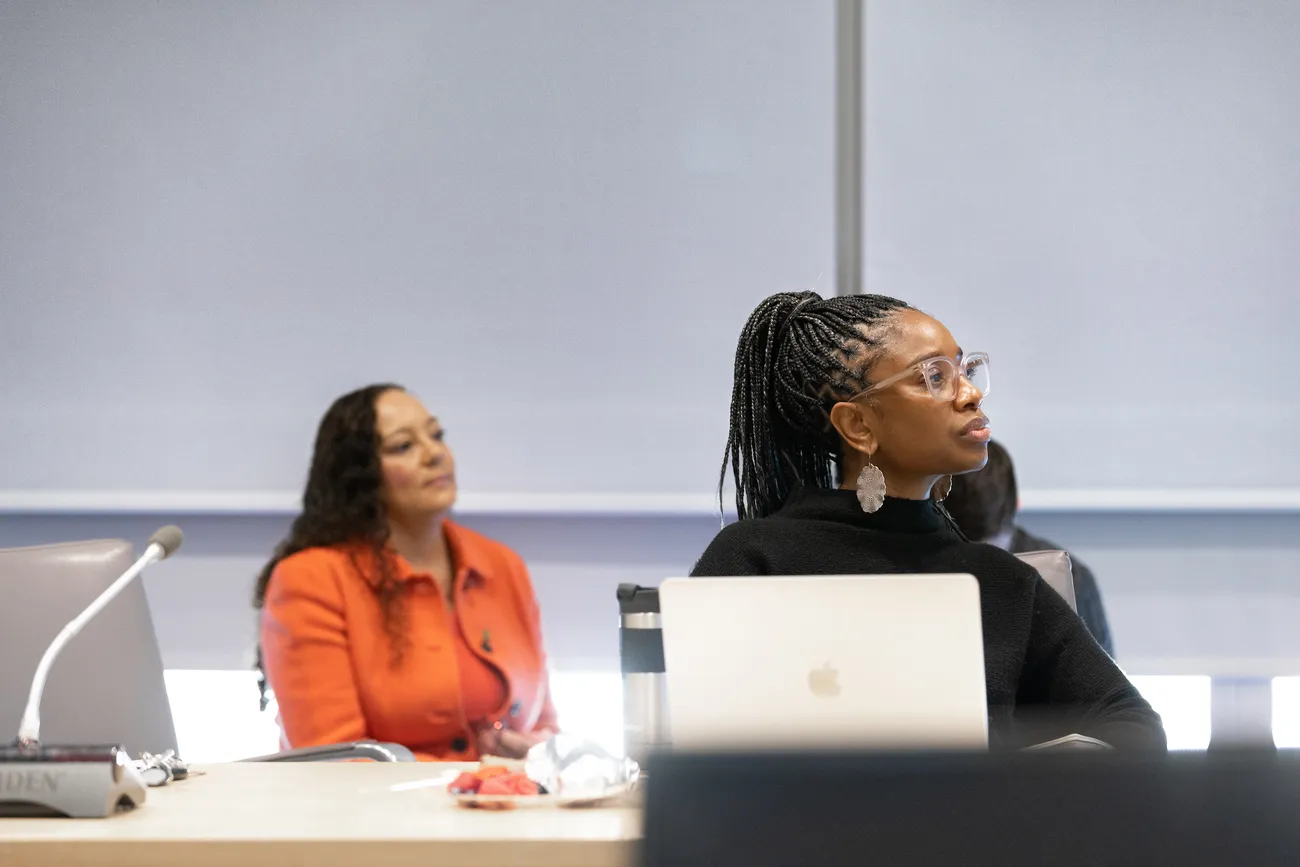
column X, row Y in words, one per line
column 107, row 686
column 866, row 661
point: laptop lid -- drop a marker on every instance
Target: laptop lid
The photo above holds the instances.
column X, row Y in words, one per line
column 107, row 686
column 883, row 661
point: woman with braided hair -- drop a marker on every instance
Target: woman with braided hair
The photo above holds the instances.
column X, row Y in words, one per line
column 847, row 413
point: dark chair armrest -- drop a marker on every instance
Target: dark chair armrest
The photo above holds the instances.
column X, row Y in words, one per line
column 373, row 750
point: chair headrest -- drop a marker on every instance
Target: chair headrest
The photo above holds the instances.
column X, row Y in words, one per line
column 1056, row 570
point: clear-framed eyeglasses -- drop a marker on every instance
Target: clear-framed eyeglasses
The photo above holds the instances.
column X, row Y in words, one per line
column 940, row 375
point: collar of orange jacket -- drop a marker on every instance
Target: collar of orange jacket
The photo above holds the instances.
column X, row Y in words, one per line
column 466, row 559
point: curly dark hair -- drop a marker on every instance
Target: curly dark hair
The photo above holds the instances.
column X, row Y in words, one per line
column 342, row 503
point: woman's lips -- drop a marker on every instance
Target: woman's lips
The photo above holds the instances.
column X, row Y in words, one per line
column 977, row 430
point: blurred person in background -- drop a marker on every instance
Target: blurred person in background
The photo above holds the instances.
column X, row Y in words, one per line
column 985, row 503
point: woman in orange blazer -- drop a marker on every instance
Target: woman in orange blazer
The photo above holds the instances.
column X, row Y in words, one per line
column 383, row 619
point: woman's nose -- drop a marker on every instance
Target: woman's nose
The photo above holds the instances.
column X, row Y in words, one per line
column 967, row 394
column 433, row 452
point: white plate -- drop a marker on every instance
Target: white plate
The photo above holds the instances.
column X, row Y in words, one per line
column 524, row 802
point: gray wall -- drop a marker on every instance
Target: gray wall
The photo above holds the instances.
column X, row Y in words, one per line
column 563, row 211
column 1187, row 594
column 560, row 211
column 1104, row 197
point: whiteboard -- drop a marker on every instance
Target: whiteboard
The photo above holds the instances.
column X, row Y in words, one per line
column 1106, row 197
column 549, row 220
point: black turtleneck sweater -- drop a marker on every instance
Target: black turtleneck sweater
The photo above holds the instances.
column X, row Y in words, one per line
column 1044, row 673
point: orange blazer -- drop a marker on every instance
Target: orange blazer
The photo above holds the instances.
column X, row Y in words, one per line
column 329, row 661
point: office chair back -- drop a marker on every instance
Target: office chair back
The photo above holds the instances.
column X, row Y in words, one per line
column 107, row 686
column 1057, row 571
column 1010, row 809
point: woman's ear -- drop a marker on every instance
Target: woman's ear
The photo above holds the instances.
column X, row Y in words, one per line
column 856, row 425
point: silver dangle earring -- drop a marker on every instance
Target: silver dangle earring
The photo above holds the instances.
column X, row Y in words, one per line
column 942, row 488
column 871, row 487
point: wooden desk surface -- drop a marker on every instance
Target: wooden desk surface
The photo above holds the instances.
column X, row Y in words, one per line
column 326, row 814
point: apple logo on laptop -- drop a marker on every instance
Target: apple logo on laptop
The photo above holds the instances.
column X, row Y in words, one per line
column 824, row 682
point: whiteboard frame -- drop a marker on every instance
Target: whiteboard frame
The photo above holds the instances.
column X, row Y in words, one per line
column 576, row 505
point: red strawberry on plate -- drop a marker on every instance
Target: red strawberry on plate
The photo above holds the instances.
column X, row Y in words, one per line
column 466, row 784
column 508, row 784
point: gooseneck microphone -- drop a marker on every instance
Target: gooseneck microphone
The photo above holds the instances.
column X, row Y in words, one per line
column 77, row 781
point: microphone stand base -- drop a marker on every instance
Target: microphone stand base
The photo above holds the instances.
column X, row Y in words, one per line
column 77, row 782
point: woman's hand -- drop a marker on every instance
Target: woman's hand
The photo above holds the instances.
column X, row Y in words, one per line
column 497, row 740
